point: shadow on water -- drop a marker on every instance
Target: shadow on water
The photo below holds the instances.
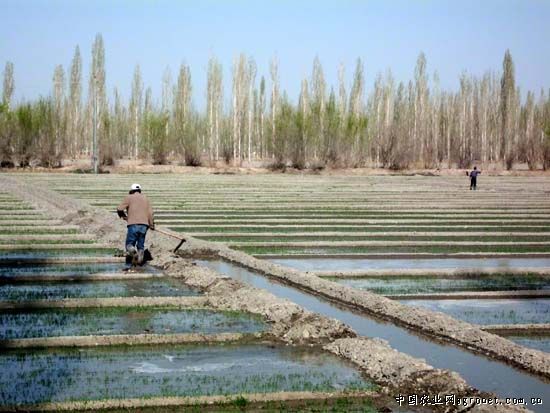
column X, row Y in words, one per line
column 478, row 371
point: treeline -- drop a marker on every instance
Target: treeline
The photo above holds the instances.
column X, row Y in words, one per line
column 395, row 125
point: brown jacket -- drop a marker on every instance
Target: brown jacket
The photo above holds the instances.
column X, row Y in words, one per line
column 139, row 210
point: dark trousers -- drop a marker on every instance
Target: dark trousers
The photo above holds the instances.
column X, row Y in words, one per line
column 473, row 182
column 135, row 236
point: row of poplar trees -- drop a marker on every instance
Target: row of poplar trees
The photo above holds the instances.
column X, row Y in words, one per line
column 398, row 125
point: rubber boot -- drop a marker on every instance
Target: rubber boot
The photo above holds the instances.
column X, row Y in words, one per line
column 140, row 257
column 131, row 250
column 132, row 254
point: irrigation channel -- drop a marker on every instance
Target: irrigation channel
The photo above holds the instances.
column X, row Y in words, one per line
column 479, row 371
column 511, row 293
column 498, row 293
column 405, row 237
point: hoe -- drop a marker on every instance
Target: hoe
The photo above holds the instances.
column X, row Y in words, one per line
column 181, row 239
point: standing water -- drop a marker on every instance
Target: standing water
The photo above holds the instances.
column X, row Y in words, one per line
column 478, row 371
column 342, row 264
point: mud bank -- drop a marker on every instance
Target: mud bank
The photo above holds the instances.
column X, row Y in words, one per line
column 401, row 255
column 177, row 302
column 129, row 340
column 43, row 238
column 477, row 295
column 10, row 262
column 429, row 323
column 404, row 375
column 71, row 278
column 521, row 329
column 205, row 403
column 431, row 272
column 52, row 247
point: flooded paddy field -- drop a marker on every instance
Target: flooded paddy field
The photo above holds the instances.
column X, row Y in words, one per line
column 33, row 241
column 488, row 311
column 107, row 373
column 347, row 264
column 331, row 218
column 277, row 238
column 433, row 285
column 121, row 320
column 22, row 253
column 68, row 270
column 222, row 232
column 159, row 287
column 380, row 250
column 277, row 216
column 18, row 230
column 538, row 342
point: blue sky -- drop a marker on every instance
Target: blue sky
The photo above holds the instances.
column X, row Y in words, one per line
column 456, row 36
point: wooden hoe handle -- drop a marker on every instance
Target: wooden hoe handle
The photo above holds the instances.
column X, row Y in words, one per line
column 182, row 240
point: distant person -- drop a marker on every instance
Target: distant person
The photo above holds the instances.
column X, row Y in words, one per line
column 136, row 210
column 473, row 178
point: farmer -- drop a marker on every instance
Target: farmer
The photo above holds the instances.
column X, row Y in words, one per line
column 137, row 211
column 473, row 178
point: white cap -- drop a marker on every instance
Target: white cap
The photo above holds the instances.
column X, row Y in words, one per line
column 135, row 187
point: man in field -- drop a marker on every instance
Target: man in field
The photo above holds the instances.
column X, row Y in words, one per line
column 473, row 178
column 136, row 210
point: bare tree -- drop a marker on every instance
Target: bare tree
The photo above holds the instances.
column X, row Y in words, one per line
column 388, row 97
column 74, row 125
column 420, row 107
column 463, row 119
column 185, row 140
column 274, row 72
column 433, row 134
column 97, row 109
column 342, row 96
column 146, row 139
column 508, row 90
column 240, row 103
column 167, row 104
column 261, row 119
column 545, row 132
column 167, row 91
column 399, row 142
column 214, row 107
column 135, row 110
column 8, row 126
column 298, row 148
column 59, row 115
column 9, row 85
column 318, row 105
column 251, row 80
column 357, row 124
column 120, row 127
